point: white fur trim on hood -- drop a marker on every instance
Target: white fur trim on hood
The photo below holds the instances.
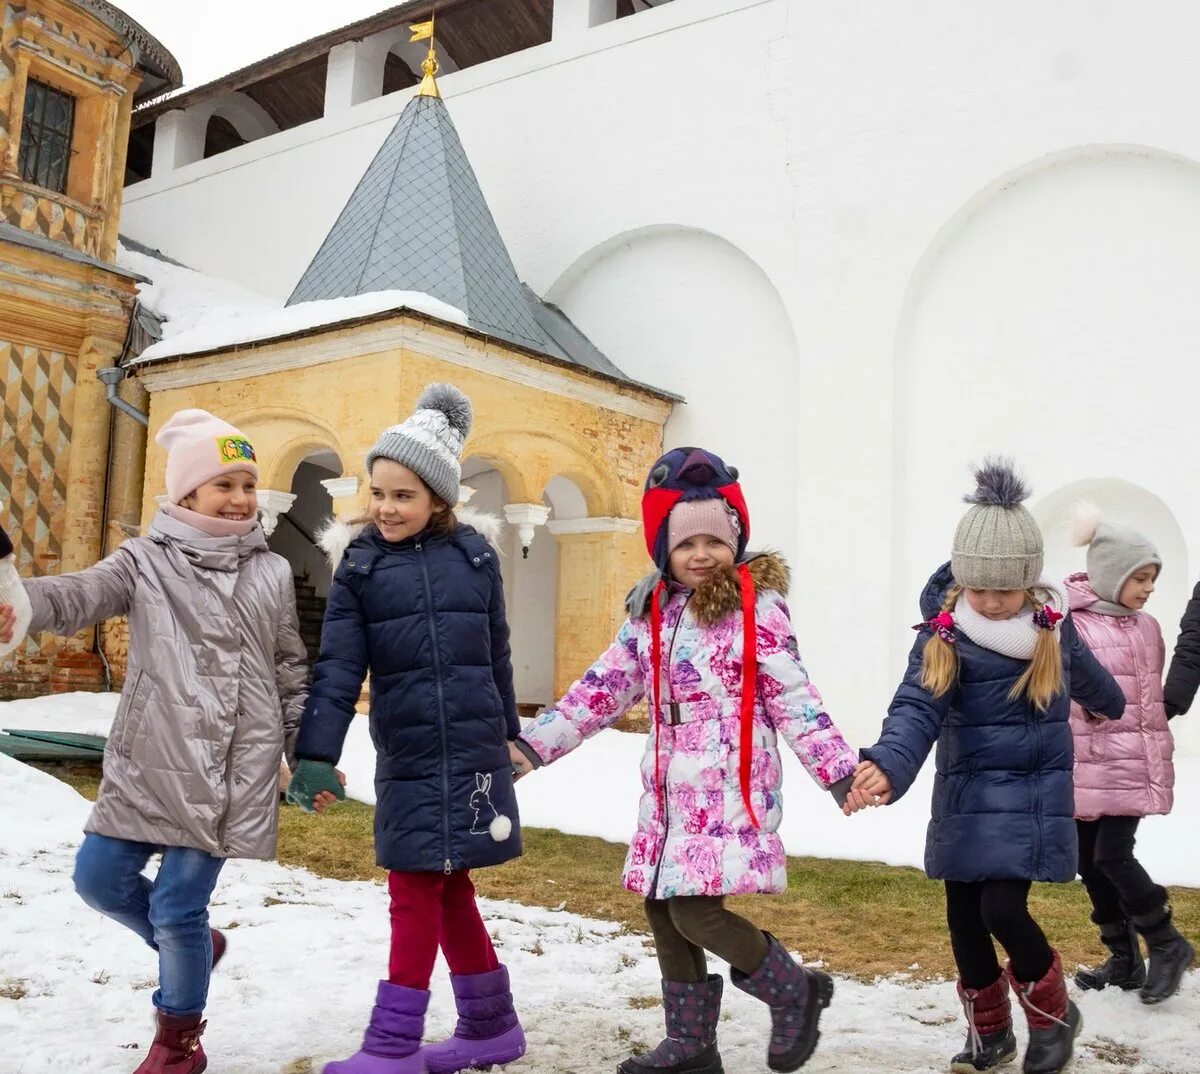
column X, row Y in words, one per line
column 334, row 536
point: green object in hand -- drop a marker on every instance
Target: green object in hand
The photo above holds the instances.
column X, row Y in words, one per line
column 309, row 780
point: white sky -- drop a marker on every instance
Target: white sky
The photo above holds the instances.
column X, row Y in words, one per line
column 210, row 38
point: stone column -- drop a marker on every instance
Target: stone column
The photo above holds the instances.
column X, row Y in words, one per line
column 343, row 491
column 574, row 17
column 16, row 114
column 526, row 517
column 598, row 560
column 178, row 140
column 76, row 665
column 272, row 504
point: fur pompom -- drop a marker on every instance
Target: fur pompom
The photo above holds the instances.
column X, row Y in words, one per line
column 334, row 537
column 447, row 399
column 490, row 527
column 997, row 485
column 500, row 828
column 1085, row 520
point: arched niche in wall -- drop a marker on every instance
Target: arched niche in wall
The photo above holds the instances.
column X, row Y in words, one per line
column 689, row 311
column 1052, row 318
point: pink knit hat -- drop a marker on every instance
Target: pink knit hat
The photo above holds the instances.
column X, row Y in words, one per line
column 695, row 518
column 200, row 446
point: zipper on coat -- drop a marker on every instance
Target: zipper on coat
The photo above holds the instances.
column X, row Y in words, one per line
column 441, row 701
column 658, row 716
column 1037, row 797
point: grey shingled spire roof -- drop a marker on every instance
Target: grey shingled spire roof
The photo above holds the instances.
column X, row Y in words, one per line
column 417, row 221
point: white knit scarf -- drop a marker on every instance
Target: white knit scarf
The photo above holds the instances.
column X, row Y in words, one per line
column 1015, row 637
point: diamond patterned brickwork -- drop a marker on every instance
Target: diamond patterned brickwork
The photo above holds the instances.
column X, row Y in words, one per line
column 45, row 215
column 36, row 407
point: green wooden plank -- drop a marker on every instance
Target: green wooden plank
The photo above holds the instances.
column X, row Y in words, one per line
column 25, row 749
column 62, row 738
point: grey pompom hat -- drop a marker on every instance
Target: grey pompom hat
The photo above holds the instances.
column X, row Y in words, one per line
column 430, row 443
column 1114, row 553
column 998, row 544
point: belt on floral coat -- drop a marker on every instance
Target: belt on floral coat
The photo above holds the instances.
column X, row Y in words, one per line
column 749, row 681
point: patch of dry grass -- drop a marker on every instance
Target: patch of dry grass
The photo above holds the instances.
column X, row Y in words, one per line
column 860, row 918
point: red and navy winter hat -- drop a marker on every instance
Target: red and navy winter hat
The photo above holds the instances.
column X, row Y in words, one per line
column 682, row 475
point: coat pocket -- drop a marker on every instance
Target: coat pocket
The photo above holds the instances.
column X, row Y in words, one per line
column 134, row 712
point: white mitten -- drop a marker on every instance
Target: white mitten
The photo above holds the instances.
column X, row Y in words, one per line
column 12, row 591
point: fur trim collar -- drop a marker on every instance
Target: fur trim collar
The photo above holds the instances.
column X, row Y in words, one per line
column 721, row 595
column 334, row 536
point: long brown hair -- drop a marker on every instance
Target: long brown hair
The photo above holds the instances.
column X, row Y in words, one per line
column 1040, row 683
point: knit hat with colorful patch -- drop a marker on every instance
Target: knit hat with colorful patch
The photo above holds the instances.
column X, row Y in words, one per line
column 688, row 475
column 200, row 446
column 431, row 441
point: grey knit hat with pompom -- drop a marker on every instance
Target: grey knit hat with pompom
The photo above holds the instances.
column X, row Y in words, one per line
column 997, row 544
column 430, row 442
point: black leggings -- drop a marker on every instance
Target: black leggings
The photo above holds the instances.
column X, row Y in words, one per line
column 1116, row 882
column 688, row 925
column 976, row 912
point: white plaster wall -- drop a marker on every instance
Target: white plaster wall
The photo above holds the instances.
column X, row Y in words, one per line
column 838, row 147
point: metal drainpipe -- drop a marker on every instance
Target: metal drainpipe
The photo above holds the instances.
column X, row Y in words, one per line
column 110, row 376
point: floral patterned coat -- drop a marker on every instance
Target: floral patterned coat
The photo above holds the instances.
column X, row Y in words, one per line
column 702, row 841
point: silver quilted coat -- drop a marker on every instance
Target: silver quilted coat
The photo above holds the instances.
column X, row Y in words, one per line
column 215, row 687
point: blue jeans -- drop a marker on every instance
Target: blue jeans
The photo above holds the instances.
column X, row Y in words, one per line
column 170, row 913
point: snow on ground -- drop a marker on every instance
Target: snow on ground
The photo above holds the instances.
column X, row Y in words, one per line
column 202, row 312
column 305, row 952
column 595, row 790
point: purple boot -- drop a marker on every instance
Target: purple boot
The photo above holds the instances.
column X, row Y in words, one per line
column 392, row 1042
column 796, row 996
column 488, row 1033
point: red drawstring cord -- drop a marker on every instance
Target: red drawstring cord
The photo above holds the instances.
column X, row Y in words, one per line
column 656, row 685
column 749, row 683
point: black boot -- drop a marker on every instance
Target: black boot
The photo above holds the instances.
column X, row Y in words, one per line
column 691, row 1010
column 1054, row 1021
column 1170, row 955
column 1124, row 968
column 990, row 1040
column 796, row 996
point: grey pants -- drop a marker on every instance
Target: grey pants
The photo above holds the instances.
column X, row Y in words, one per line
column 688, row 925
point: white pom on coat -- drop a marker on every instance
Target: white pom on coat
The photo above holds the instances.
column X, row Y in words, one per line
column 1085, row 521
column 500, row 828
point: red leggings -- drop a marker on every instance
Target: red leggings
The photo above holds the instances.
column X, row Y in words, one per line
column 431, row 910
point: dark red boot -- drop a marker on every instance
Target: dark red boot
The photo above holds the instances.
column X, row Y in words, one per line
column 990, row 1040
column 218, row 945
column 1054, row 1021
column 176, row 1048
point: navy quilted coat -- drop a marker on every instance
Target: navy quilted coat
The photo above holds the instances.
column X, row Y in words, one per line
column 1003, row 802
column 426, row 618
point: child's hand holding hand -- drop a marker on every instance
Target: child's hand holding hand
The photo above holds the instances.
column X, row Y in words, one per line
column 871, row 788
column 521, row 764
column 315, row 785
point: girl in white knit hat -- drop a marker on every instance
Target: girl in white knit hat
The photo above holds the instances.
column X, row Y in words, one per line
column 215, row 685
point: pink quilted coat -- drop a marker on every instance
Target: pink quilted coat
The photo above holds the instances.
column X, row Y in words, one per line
column 702, row 842
column 1122, row 767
